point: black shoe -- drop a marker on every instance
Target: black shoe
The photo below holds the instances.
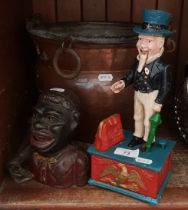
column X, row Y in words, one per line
column 143, row 147
column 135, row 141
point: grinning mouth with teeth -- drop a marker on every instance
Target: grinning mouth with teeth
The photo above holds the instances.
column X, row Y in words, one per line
column 144, row 51
column 41, row 140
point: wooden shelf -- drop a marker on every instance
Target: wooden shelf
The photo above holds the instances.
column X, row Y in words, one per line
column 34, row 196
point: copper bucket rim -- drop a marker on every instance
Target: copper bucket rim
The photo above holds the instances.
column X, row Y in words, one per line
column 86, row 32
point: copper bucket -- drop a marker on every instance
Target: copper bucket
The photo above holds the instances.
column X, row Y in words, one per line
column 87, row 58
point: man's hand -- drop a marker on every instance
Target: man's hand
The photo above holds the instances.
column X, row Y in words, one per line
column 157, row 107
column 18, row 173
column 118, row 86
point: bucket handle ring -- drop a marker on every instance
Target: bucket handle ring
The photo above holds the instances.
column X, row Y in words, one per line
column 172, row 44
column 61, row 72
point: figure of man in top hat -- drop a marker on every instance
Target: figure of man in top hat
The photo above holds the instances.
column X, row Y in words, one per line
column 150, row 76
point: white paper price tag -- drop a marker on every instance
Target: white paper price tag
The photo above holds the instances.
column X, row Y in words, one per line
column 143, row 160
column 105, row 77
column 127, row 152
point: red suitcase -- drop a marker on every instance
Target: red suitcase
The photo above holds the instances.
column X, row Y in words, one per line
column 109, row 133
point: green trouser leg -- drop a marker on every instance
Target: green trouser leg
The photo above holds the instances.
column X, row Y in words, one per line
column 155, row 120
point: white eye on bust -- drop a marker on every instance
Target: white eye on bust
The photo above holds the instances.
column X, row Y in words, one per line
column 58, row 89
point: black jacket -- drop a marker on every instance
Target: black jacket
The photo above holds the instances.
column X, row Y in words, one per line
column 157, row 78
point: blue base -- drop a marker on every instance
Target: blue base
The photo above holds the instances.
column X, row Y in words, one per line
column 158, row 155
column 132, row 194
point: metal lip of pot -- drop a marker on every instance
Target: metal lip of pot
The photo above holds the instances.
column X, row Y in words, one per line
column 87, row 32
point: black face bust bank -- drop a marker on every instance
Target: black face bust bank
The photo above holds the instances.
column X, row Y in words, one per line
column 55, row 117
column 55, row 161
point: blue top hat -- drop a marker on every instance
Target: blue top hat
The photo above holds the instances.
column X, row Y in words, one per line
column 155, row 23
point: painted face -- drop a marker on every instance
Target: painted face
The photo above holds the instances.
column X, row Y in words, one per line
column 149, row 45
column 51, row 125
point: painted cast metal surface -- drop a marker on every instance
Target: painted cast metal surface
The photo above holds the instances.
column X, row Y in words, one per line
column 48, row 155
column 129, row 176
